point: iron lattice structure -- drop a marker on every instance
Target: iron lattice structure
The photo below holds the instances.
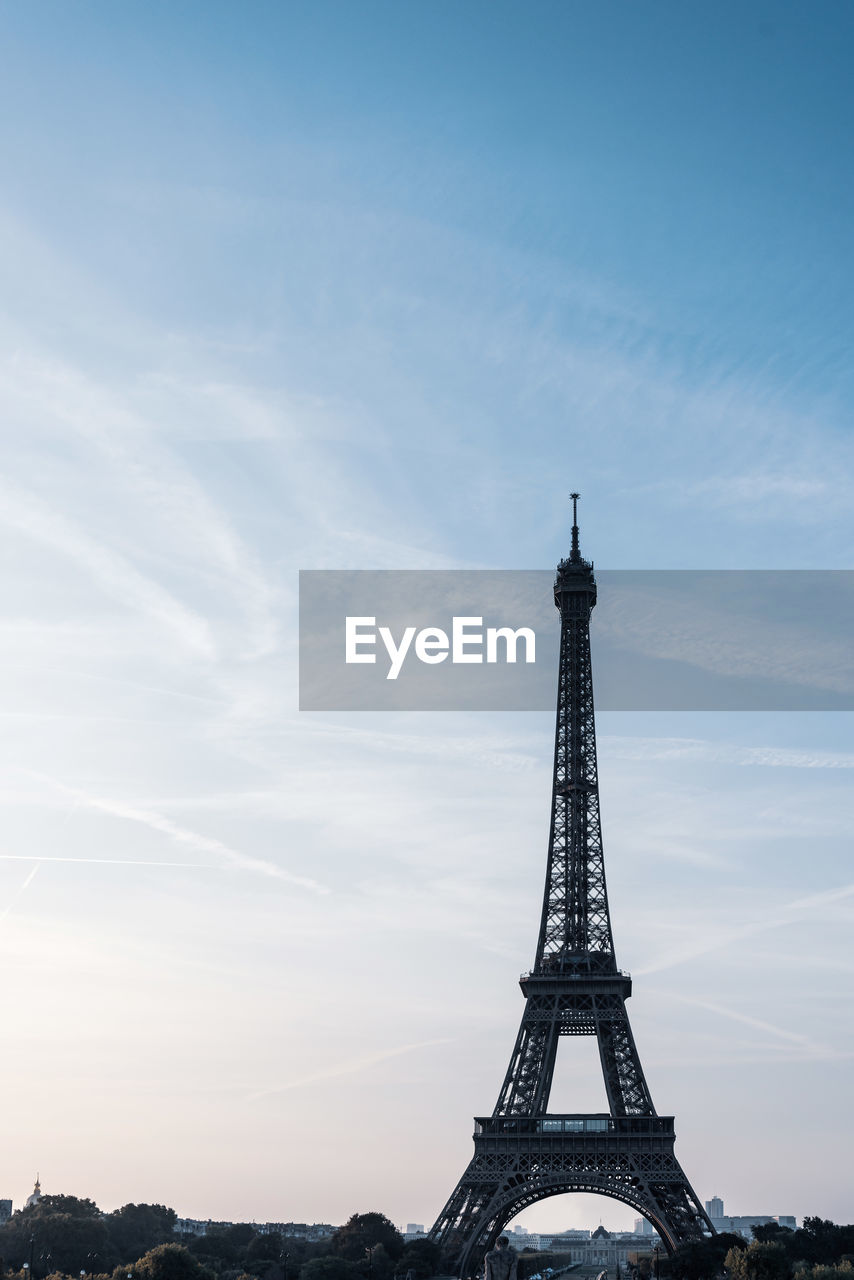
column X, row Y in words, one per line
column 524, row 1153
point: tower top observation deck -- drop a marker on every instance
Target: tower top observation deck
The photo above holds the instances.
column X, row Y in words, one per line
column 575, row 586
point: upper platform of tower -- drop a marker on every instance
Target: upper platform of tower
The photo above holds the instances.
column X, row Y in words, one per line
column 575, row 586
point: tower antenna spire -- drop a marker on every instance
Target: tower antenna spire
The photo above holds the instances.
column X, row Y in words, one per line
column 575, row 554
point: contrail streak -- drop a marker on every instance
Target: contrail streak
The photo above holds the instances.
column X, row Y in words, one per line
column 21, row 888
column 783, row 915
column 108, row 862
column 344, row 1069
column 749, row 1021
column 181, row 835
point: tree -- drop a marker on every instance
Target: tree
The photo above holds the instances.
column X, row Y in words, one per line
column 332, row 1267
column 240, row 1233
column 377, row 1264
column 816, row 1226
column 168, row 1262
column 821, row 1241
column 843, row 1271
column 265, row 1247
column 73, row 1205
column 703, row 1259
column 772, row 1232
column 217, row 1246
column 66, row 1234
column 420, row 1256
column 136, row 1228
column 363, row 1230
column 761, row 1260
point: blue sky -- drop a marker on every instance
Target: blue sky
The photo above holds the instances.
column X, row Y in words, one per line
column 374, row 286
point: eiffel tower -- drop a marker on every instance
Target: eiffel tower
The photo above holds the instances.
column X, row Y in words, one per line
column 523, row 1152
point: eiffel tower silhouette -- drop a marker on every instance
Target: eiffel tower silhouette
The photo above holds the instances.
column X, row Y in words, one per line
column 523, row 1152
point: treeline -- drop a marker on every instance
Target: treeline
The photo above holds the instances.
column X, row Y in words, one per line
column 64, row 1236
column 819, row 1250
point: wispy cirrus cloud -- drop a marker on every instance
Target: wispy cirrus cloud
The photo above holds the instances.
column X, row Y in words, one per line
column 351, row 1066
column 708, row 936
column 180, row 835
column 704, row 751
column 110, row 570
column 129, row 454
column 809, row 1047
column 22, row 888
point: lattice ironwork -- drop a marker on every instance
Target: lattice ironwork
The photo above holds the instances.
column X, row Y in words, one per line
column 523, row 1153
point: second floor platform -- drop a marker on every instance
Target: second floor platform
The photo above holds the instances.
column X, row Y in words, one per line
column 604, row 1124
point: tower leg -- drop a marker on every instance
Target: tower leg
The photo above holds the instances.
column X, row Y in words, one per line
column 528, row 1082
column 626, row 1087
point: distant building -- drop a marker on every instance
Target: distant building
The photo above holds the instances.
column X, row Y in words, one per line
column 743, row 1224
column 563, row 1239
column 200, row 1226
column 414, row 1229
column 191, row 1227
column 521, row 1238
column 36, row 1194
column 715, row 1207
column 602, row 1248
column 5, row 1210
column 309, row 1231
